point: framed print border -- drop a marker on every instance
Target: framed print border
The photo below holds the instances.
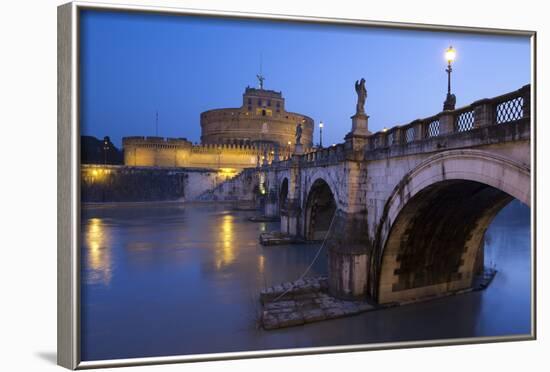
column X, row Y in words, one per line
column 68, row 194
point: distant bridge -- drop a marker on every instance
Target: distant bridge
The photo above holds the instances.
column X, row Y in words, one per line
column 408, row 207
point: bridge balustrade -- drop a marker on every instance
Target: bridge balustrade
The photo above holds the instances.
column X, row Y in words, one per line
column 499, row 110
column 502, row 109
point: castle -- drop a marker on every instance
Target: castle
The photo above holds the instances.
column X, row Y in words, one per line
column 258, row 132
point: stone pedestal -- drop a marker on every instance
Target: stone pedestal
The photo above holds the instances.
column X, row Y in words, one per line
column 348, row 249
column 299, row 149
column 360, row 125
column 356, row 143
column 357, row 139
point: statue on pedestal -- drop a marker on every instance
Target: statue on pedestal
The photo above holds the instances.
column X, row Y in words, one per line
column 360, row 120
column 361, row 96
column 299, row 134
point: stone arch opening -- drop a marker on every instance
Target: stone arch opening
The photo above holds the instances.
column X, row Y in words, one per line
column 283, row 195
column 320, row 209
column 436, row 243
column 430, row 240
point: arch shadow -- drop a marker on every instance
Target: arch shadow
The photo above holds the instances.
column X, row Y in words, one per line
column 320, row 208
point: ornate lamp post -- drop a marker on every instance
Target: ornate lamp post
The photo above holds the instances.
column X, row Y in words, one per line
column 450, row 101
column 321, row 125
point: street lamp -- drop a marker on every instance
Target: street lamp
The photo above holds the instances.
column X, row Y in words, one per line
column 450, row 101
column 321, row 125
column 105, row 149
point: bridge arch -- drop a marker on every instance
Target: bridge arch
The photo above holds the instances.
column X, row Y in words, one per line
column 430, row 238
column 320, row 207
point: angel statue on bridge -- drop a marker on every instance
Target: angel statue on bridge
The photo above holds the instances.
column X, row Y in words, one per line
column 299, row 134
column 361, row 96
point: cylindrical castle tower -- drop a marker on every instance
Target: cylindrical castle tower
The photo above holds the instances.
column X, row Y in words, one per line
column 262, row 118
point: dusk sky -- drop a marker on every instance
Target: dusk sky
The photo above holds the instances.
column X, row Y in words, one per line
column 135, row 64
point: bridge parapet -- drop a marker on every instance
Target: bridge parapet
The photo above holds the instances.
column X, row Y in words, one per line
column 512, row 107
column 325, row 156
column 507, row 108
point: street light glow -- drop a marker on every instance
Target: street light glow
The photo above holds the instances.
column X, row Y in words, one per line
column 321, row 125
column 450, row 101
column 450, row 54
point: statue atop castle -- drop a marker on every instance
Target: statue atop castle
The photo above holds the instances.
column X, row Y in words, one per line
column 361, row 96
column 261, row 79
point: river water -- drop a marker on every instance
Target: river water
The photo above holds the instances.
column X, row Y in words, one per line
column 168, row 279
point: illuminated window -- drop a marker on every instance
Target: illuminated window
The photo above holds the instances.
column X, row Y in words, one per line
column 264, row 112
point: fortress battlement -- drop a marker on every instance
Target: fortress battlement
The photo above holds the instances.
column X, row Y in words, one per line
column 153, row 139
column 263, row 92
column 226, row 147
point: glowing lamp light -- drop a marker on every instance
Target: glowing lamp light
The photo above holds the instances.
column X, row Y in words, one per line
column 321, row 125
column 227, row 171
column 450, row 54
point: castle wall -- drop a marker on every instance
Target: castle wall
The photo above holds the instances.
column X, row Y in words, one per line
column 161, row 152
column 236, row 126
column 111, row 183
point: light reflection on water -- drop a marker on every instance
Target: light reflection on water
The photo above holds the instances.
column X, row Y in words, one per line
column 98, row 253
column 225, row 254
column 171, row 280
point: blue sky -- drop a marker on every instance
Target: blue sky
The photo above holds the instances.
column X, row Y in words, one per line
column 135, row 64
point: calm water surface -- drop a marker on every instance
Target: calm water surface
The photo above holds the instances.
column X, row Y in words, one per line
column 169, row 279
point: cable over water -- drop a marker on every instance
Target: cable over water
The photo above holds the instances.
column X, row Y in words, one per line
column 312, row 262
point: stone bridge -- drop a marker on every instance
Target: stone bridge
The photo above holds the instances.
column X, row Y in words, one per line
column 406, row 209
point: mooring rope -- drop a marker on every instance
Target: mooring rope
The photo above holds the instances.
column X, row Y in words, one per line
column 312, row 262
